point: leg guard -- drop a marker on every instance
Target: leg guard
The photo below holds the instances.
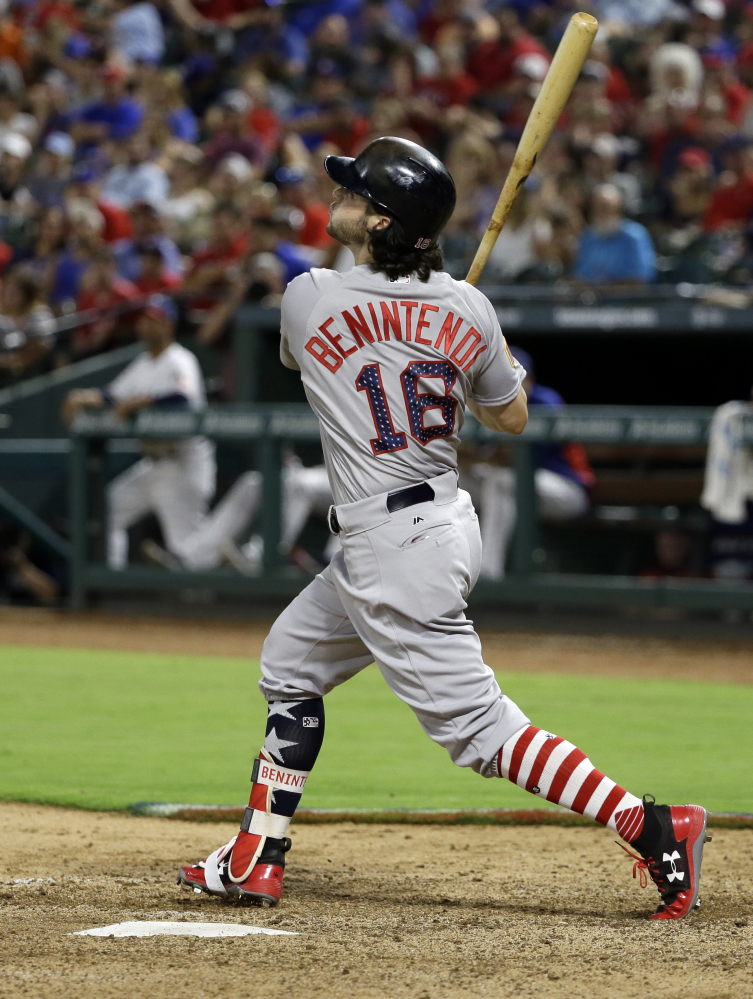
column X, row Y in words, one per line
column 295, row 730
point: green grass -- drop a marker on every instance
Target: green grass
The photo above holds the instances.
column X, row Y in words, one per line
column 103, row 729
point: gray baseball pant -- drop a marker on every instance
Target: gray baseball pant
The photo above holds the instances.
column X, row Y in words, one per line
column 396, row 595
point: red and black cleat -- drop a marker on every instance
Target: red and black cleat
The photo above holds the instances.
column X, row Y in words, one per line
column 262, row 887
column 672, row 855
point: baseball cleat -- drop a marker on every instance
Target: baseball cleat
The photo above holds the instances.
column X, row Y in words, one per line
column 673, row 859
column 262, row 887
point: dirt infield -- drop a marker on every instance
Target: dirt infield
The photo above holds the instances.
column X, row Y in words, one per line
column 418, row 912
column 604, row 655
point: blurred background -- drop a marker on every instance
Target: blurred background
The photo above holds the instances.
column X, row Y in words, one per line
column 175, row 148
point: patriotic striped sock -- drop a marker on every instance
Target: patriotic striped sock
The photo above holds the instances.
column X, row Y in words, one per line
column 556, row 770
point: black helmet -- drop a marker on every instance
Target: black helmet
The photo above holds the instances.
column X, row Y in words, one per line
column 405, row 180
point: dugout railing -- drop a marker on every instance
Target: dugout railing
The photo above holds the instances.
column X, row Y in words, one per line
column 265, row 430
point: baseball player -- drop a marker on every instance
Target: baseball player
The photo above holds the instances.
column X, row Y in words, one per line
column 175, row 479
column 304, row 491
column 561, row 480
column 391, row 353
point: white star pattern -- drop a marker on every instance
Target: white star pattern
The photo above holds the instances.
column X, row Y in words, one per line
column 282, row 708
column 275, row 745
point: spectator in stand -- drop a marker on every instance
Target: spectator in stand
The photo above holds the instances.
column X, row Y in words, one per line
column 101, row 288
column 231, row 182
column 49, row 180
column 330, row 45
column 279, row 46
column 167, row 115
column 12, row 120
column 275, row 236
column 16, row 204
column 27, row 326
column 690, row 189
column 86, row 224
column 43, row 255
column 16, row 150
column 731, row 204
column 229, row 123
column 187, row 212
column 154, row 275
column 523, row 239
column 491, row 61
column 147, row 226
column 296, row 191
column 613, row 250
column 114, row 116
column 137, row 32
column 214, row 265
column 137, row 178
column 204, row 14
column 600, row 166
column 82, row 185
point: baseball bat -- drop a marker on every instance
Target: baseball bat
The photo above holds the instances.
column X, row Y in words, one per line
column 559, row 81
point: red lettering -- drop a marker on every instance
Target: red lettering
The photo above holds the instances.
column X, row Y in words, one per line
column 409, row 307
column 473, row 334
column 358, row 326
column 265, row 771
column 391, row 318
column 423, row 323
column 335, row 338
column 448, row 332
column 473, row 359
column 374, row 321
column 323, row 353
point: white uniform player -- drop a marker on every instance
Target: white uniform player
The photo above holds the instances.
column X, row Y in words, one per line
column 176, row 478
column 390, row 354
column 305, row 490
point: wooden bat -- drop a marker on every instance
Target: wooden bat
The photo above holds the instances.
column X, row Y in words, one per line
column 559, row 81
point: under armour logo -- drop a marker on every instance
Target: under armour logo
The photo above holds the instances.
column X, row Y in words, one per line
column 417, row 520
column 671, row 858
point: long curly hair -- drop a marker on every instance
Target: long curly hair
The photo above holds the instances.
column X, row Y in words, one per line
column 394, row 257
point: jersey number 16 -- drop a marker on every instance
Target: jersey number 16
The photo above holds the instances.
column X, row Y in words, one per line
column 417, row 404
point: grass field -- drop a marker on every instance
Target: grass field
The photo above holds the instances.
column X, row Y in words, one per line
column 103, row 729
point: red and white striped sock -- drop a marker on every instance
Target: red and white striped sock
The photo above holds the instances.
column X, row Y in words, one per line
column 555, row 769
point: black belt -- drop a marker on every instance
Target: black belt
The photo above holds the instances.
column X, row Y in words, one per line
column 401, row 500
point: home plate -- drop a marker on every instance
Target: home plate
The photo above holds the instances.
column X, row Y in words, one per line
column 165, row 928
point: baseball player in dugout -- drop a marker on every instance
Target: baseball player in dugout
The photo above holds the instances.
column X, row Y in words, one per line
column 175, row 479
column 391, row 354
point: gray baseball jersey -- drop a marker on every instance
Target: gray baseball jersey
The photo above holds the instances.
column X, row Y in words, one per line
column 388, row 367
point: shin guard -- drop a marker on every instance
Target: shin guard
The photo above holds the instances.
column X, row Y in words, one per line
column 295, row 730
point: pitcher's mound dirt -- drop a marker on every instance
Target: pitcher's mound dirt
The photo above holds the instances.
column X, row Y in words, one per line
column 382, row 912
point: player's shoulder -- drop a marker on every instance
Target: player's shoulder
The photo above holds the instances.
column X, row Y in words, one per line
column 469, row 293
column 317, row 281
column 181, row 356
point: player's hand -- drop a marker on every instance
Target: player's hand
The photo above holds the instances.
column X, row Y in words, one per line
column 127, row 407
column 79, row 399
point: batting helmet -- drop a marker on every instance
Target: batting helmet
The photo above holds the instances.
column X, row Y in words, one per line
column 405, row 180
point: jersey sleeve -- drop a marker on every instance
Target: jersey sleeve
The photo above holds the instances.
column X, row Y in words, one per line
column 124, row 385
column 185, row 379
column 496, row 376
column 301, row 295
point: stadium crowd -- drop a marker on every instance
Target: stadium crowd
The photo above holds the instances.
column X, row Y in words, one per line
column 176, row 146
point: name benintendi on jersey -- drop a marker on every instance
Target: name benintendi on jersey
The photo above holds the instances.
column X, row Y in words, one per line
column 452, row 335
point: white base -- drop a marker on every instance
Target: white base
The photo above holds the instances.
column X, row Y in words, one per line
column 174, row 929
